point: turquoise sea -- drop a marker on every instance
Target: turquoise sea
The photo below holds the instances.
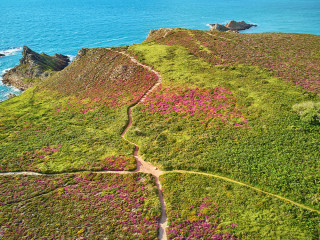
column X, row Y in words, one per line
column 65, row 26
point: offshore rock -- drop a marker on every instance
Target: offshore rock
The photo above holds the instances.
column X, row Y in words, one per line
column 219, row 27
column 239, row 26
column 33, row 68
column 232, row 26
column 2, row 55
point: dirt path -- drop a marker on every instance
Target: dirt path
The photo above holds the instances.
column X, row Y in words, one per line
column 143, row 166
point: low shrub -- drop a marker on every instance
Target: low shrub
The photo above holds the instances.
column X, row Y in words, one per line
column 309, row 112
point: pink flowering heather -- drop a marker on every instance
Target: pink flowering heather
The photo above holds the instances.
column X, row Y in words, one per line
column 121, row 83
column 113, row 164
column 27, row 160
column 206, row 225
column 292, row 57
column 81, row 206
column 210, row 105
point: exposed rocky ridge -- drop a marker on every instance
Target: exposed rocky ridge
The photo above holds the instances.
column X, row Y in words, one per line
column 232, row 26
column 158, row 33
column 34, row 67
column 81, row 52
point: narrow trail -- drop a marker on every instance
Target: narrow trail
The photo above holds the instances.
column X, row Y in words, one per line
column 213, row 35
column 246, row 185
column 143, row 166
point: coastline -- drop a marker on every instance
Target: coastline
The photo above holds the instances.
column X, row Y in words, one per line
column 5, row 89
column 11, row 89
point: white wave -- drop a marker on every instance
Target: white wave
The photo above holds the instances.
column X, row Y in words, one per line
column 71, row 57
column 13, row 89
column 11, row 51
column 2, row 73
column 5, row 71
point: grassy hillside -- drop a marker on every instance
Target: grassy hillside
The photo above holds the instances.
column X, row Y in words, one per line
column 234, row 125
column 244, row 127
column 225, row 209
column 73, row 121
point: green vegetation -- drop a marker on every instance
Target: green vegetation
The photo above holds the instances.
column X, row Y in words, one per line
column 87, row 205
column 277, row 152
column 244, row 107
column 309, row 112
column 73, row 121
column 192, row 198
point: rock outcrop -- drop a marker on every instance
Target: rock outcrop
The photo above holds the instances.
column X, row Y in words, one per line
column 81, row 52
column 2, row 55
column 219, row 27
column 11, row 95
column 34, row 67
column 158, row 33
column 232, row 26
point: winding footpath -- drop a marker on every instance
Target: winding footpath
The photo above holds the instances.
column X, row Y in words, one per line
column 143, row 166
column 146, row 167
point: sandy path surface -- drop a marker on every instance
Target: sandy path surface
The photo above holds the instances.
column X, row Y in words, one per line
column 143, row 166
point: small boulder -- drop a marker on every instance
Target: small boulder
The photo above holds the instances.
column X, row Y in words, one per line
column 11, row 95
column 2, row 55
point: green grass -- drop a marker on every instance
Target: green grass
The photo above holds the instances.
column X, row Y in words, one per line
column 32, row 121
column 73, row 120
column 225, row 107
column 256, row 215
column 278, row 153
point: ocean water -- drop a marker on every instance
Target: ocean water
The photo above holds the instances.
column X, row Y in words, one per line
column 65, row 26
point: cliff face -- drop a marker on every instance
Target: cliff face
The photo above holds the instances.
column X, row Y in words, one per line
column 34, row 67
column 158, row 34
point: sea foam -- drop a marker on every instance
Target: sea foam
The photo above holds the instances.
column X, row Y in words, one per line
column 11, row 51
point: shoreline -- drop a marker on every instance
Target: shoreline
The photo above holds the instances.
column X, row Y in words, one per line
column 5, row 89
column 8, row 89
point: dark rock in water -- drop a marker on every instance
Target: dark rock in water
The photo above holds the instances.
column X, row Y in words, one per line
column 232, row 26
column 11, row 95
column 238, row 26
column 34, row 67
column 2, row 55
column 219, row 27
column 81, row 52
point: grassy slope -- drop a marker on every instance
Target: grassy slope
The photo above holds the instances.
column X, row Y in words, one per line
column 74, row 120
column 87, row 205
column 278, row 153
column 193, row 198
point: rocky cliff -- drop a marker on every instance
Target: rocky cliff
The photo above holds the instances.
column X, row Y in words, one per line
column 33, row 68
